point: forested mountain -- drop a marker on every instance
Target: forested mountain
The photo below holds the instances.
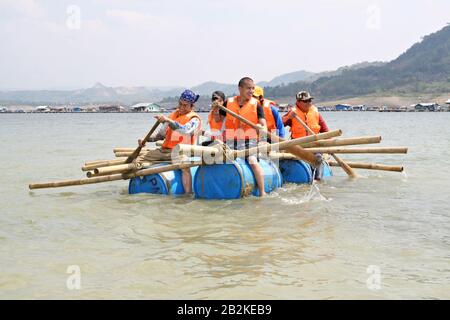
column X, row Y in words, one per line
column 424, row 68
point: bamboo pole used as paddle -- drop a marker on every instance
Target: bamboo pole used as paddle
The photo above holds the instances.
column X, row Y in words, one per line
column 114, row 177
column 348, row 170
column 296, row 150
column 136, row 152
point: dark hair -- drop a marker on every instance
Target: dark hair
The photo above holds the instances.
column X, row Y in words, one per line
column 219, row 94
column 243, row 80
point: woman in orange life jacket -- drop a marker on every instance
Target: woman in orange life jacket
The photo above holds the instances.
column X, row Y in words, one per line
column 309, row 114
column 241, row 136
column 181, row 126
column 216, row 120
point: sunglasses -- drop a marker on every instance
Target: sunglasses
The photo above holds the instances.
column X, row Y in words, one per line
column 305, row 101
column 215, row 98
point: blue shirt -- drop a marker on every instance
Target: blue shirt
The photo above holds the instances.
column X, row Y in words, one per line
column 281, row 132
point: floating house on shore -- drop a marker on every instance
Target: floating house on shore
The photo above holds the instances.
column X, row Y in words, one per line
column 359, row 107
column 423, row 107
column 77, row 109
column 112, row 108
column 42, row 109
column 324, row 108
column 59, row 109
column 343, row 107
column 146, row 107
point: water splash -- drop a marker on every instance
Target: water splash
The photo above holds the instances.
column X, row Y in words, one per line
column 314, row 193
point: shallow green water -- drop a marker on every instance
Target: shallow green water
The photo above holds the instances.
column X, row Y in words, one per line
column 293, row 244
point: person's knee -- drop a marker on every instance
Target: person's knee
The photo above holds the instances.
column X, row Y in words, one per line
column 253, row 161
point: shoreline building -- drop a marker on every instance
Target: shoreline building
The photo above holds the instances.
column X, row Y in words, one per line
column 111, row 108
column 343, row 107
column 146, row 107
column 422, row 107
column 42, row 109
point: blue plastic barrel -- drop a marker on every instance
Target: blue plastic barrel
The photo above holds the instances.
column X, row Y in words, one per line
column 234, row 180
column 169, row 182
column 297, row 171
column 327, row 173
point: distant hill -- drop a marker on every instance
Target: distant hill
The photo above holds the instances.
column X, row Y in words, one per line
column 424, row 68
column 98, row 93
column 287, row 78
column 339, row 71
column 207, row 88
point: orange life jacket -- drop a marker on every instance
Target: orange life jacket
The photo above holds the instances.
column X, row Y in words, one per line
column 173, row 138
column 213, row 124
column 311, row 118
column 235, row 129
column 270, row 120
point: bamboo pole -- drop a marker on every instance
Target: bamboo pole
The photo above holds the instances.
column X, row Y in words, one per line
column 343, row 142
column 369, row 166
column 294, row 149
column 130, row 150
column 87, row 163
column 341, row 162
column 118, row 168
column 123, row 154
column 201, row 151
column 188, row 149
column 114, row 177
column 91, row 166
column 105, row 171
column 348, row 170
column 392, row 150
column 136, row 152
column 354, row 165
column 286, row 144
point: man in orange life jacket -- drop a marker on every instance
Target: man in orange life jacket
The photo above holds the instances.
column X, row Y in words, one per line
column 240, row 136
column 309, row 114
column 181, row 126
column 273, row 118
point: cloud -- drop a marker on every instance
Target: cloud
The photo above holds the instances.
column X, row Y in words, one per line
column 135, row 19
column 24, row 8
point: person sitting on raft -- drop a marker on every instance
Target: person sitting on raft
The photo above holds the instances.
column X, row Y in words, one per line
column 216, row 120
column 240, row 136
column 181, row 126
column 273, row 119
column 309, row 114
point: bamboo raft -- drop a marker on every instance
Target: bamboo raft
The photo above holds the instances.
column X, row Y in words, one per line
column 213, row 168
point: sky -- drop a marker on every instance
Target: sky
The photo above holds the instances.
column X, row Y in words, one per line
column 74, row 44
